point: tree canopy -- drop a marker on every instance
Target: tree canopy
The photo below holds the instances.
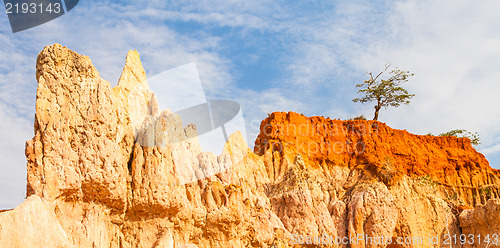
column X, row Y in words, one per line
column 386, row 92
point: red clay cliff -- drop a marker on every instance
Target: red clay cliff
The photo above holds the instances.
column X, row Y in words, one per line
column 375, row 147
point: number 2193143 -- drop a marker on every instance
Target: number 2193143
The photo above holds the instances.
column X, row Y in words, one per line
column 32, row 8
column 491, row 239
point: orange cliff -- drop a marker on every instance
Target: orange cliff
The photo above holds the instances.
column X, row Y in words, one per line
column 375, row 147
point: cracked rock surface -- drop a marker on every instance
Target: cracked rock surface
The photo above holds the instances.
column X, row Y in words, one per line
column 107, row 168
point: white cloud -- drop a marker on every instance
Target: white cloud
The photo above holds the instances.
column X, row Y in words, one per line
column 491, row 150
column 256, row 105
column 451, row 46
column 14, row 131
column 101, row 32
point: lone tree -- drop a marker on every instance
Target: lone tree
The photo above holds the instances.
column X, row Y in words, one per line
column 385, row 92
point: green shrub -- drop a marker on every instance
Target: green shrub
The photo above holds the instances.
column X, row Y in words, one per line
column 361, row 117
column 427, row 180
column 474, row 137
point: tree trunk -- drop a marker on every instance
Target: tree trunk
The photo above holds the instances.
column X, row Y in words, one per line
column 377, row 108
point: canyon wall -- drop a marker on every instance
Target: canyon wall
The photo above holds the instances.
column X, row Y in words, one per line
column 107, row 168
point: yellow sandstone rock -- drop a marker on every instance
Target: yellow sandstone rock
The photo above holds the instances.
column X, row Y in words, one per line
column 107, row 168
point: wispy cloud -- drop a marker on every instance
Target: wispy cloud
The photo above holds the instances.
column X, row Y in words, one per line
column 257, row 105
column 13, row 133
column 452, row 48
column 104, row 34
column 320, row 49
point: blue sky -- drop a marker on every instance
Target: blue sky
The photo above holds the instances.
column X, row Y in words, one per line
column 304, row 56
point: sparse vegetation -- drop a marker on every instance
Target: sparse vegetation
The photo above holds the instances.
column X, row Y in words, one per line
column 387, row 171
column 486, row 192
column 428, row 181
column 474, row 137
column 361, row 117
column 454, row 203
column 452, row 197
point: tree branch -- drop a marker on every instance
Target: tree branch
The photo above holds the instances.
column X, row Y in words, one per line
column 386, row 67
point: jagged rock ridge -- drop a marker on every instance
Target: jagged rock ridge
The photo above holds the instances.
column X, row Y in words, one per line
column 106, row 168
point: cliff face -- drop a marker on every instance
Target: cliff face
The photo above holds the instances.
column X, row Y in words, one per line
column 383, row 152
column 107, row 168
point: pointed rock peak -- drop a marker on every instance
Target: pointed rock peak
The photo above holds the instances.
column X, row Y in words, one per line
column 236, row 147
column 299, row 161
column 153, row 105
column 133, row 74
column 236, row 140
column 59, row 62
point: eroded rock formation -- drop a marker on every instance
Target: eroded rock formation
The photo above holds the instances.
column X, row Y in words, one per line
column 384, row 153
column 107, row 168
